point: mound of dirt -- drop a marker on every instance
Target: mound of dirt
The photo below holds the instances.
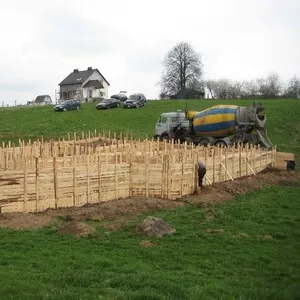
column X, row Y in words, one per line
column 219, row 192
column 156, row 227
column 116, row 209
column 78, row 229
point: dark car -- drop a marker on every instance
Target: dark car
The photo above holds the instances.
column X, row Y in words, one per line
column 108, row 103
column 67, row 105
column 135, row 101
column 121, row 97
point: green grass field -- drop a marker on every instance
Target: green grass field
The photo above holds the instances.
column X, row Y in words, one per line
column 247, row 248
column 33, row 122
column 250, row 250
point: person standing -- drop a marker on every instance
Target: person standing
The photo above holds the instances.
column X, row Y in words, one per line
column 201, row 173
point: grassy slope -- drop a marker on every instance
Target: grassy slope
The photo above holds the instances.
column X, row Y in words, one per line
column 193, row 263
column 31, row 123
column 231, row 263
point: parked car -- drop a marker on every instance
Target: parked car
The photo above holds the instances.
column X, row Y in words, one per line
column 67, row 105
column 135, row 101
column 121, row 97
column 108, row 103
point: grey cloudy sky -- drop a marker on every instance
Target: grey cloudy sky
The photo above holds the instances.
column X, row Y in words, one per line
column 43, row 41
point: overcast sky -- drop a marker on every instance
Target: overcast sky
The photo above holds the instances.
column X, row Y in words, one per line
column 43, row 41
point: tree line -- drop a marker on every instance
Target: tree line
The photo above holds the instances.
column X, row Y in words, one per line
column 182, row 77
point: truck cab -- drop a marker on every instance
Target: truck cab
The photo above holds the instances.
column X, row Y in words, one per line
column 168, row 121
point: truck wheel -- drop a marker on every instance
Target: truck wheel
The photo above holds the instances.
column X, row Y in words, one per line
column 164, row 136
column 220, row 143
column 204, row 142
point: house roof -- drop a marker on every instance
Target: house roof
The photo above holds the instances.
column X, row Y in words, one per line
column 41, row 98
column 95, row 83
column 78, row 77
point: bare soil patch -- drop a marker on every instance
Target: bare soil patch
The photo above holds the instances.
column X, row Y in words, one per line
column 219, row 192
column 147, row 244
column 127, row 209
column 78, row 229
column 23, row 221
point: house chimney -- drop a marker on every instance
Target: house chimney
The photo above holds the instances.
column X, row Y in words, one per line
column 89, row 68
column 76, row 71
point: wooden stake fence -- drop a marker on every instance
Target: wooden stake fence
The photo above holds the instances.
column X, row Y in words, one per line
column 42, row 175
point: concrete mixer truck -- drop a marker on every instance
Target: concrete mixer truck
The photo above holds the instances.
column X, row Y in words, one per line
column 221, row 125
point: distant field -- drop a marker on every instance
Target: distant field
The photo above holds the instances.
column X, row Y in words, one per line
column 283, row 121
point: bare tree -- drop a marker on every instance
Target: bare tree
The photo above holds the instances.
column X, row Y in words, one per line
column 293, row 90
column 183, row 69
column 235, row 90
column 222, row 88
column 250, row 88
column 271, row 86
column 211, row 86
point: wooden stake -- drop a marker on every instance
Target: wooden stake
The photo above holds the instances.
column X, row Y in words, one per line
column 168, row 169
column 224, row 167
column 240, row 160
column 74, row 178
column 99, row 178
column 25, row 186
column 233, row 161
column 147, row 175
column 116, row 175
column 37, row 182
column 130, row 173
column 55, row 182
column 88, row 175
column 162, row 175
column 182, row 179
column 214, row 158
column 248, row 165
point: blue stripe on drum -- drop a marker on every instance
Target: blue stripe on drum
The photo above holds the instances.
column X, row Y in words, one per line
column 216, row 111
column 214, row 126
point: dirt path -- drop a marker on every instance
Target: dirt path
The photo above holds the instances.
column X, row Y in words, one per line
column 126, row 209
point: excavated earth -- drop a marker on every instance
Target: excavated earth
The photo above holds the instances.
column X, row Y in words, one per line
column 123, row 210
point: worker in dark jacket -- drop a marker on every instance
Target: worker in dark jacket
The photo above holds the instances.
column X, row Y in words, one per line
column 201, row 173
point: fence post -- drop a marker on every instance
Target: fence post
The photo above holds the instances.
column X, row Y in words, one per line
column 99, row 177
column 37, row 182
column 116, row 174
column 168, row 169
column 87, row 155
column 25, row 185
column 233, row 161
column 240, row 160
column 162, row 175
column 147, row 174
column 74, row 176
column 55, row 181
column 247, row 155
column 130, row 173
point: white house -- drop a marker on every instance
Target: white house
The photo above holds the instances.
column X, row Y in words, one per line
column 40, row 100
column 84, row 85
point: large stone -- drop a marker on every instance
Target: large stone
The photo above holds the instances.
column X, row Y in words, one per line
column 157, row 227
